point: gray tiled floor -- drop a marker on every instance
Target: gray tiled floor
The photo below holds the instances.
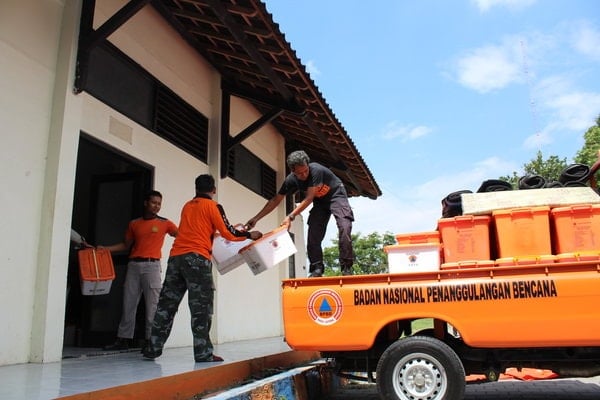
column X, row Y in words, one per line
column 89, row 373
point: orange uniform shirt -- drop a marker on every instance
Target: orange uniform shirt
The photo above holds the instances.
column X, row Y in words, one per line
column 148, row 236
column 201, row 217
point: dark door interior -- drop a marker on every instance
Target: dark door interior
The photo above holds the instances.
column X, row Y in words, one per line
column 109, row 190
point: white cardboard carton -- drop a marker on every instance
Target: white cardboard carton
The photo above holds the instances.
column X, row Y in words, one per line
column 269, row 250
column 410, row 258
column 226, row 255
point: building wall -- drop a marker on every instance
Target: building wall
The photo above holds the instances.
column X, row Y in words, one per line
column 42, row 120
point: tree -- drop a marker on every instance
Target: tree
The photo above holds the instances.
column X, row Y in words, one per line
column 369, row 256
column 588, row 154
column 549, row 169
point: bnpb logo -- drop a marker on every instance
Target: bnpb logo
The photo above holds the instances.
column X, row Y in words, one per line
column 325, row 307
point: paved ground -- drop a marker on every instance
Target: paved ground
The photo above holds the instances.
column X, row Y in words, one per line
column 556, row 389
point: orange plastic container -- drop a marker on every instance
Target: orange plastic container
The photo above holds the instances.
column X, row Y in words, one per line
column 578, row 257
column 418, row 237
column 465, row 238
column 576, row 228
column 523, row 231
column 525, row 260
column 468, row 264
column 96, row 271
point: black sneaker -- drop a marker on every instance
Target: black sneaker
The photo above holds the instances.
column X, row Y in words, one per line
column 151, row 354
column 119, row 344
column 145, row 346
column 212, row 358
column 317, row 273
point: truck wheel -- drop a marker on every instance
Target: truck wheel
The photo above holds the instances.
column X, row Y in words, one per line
column 420, row 368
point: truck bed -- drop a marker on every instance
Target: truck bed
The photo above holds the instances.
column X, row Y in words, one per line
column 525, row 306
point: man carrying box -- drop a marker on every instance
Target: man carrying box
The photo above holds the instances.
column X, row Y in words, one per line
column 190, row 269
column 328, row 196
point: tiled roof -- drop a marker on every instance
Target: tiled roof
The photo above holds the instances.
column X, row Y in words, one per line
column 240, row 39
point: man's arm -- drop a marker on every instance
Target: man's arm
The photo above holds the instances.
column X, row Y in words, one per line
column 308, row 199
column 114, row 248
column 268, row 207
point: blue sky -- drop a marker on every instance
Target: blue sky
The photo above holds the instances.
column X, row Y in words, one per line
column 439, row 96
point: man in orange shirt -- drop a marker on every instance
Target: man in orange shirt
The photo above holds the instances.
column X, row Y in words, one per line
column 190, row 269
column 145, row 236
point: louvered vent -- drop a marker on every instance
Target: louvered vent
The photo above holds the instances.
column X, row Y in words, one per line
column 181, row 124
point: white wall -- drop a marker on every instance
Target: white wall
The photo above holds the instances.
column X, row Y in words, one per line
column 29, row 45
column 41, row 120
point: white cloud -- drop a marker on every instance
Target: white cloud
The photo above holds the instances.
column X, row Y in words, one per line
column 568, row 108
column 312, row 69
column 586, row 40
column 486, row 5
column 406, row 132
column 490, row 68
column 537, row 140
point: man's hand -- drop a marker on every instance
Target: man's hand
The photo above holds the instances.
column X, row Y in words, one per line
column 287, row 222
column 251, row 223
column 255, row 235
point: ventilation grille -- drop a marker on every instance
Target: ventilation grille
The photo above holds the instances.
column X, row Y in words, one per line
column 181, row 124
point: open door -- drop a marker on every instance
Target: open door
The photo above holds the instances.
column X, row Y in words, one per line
column 109, row 191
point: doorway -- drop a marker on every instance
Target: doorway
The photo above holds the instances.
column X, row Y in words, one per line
column 109, row 192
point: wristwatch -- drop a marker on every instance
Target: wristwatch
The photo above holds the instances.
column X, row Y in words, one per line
column 291, row 216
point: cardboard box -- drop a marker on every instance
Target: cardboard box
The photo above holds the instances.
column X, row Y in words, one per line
column 225, row 253
column 269, row 250
column 576, row 228
column 407, row 258
column 96, row 271
column 523, row 232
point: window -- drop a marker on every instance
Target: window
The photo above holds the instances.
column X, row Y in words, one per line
column 118, row 81
column 249, row 170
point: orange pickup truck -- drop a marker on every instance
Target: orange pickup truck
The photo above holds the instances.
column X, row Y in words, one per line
column 481, row 319
column 485, row 320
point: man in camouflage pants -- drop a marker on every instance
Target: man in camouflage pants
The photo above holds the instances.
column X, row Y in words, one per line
column 190, row 268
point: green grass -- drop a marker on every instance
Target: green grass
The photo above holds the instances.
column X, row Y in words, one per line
column 420, row 324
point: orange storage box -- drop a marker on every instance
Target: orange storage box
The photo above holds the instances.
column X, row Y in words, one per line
column 465, row 238
column 525, row 260
column 418, row 237
column 578, row 257
column 576, row 228
column 96, row 271
column 468, row 264
column 523, row 231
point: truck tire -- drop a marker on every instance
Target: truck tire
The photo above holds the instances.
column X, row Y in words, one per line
column 420, row 368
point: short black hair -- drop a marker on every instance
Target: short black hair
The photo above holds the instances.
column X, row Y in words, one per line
column 205, row 183
column 152, row 193
column 296, row 158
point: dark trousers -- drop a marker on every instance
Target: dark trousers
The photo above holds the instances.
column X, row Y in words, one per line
column 317, row 226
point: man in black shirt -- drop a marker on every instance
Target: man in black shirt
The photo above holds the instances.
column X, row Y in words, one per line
column 325, row 191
